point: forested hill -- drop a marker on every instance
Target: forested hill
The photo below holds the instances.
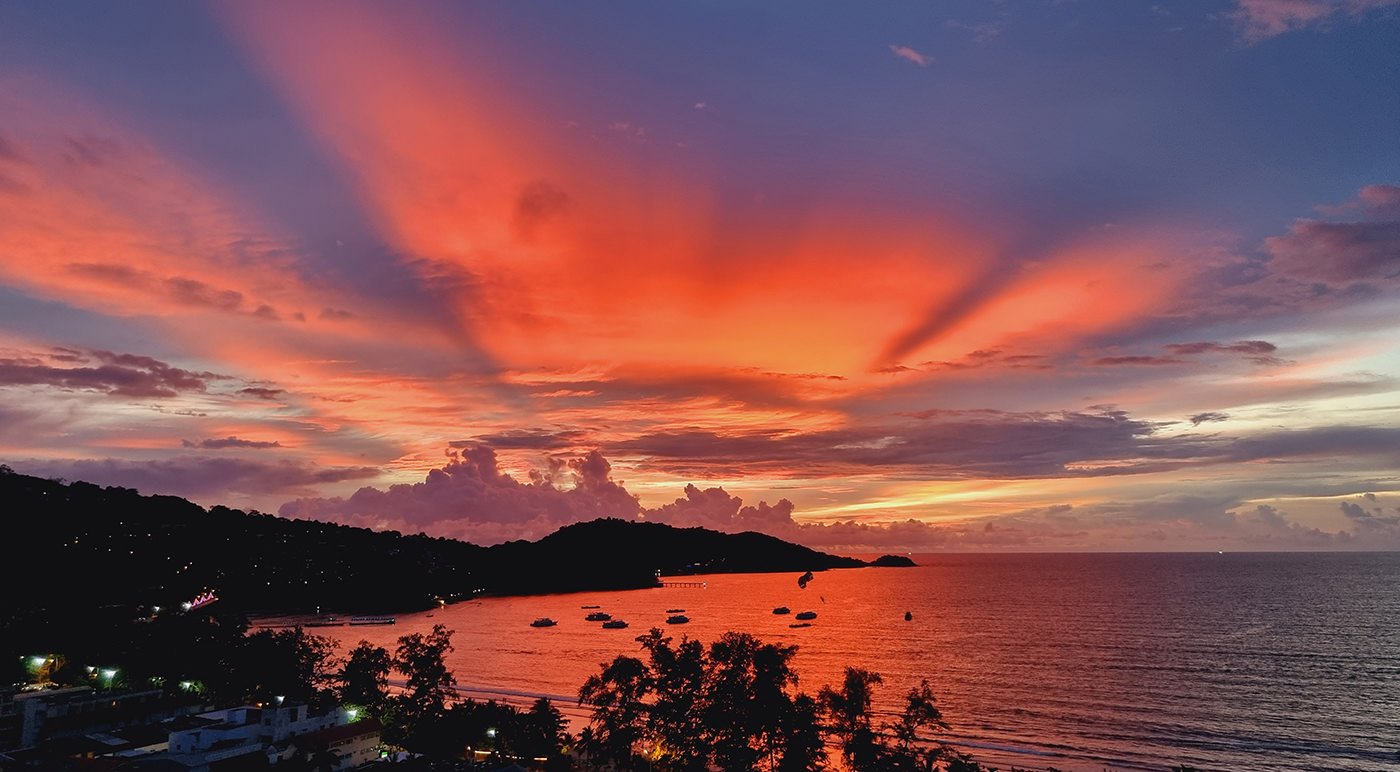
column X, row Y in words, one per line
column 79, row 547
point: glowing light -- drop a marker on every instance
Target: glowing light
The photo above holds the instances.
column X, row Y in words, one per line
column 37, row 662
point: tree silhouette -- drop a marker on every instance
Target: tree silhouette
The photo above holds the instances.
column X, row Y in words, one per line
column 364, row 677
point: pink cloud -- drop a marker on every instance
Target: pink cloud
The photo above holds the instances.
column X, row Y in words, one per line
column 1261, row 19
column 910, row 55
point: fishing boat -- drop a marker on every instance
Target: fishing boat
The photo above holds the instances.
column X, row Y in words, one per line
column 782, row 610
column 543, row 622
column 800, row 624
column 372, row 620
column 675, row 611
column 614, row 624
column 807, row 615
column 598, row 616
column 677, row 619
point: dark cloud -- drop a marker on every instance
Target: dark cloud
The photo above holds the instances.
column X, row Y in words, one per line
column 206, row 478
column 1200, row 418
column 946, row 445
column 180, row 289
column 262, row 392
column 1252, row 347
column 538, row 203
column 193, row 292
column 335, row 314
column 471, row 497
column 1338, row 253
column 123, row 375
column 1373, row 519
column 226, row 443
column 525, row 439
column 981, row 358
column 1137, row 360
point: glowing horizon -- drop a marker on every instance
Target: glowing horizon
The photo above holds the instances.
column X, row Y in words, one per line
column 1019, row 278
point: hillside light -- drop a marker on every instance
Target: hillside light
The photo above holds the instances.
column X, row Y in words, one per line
column 108, row 674
column 37, row 662
column 187, row 685
column 280, row 698
column 491, row 732
column 352, row 713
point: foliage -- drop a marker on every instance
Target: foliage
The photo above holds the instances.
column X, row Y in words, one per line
column 428, row 682
column 364, row 677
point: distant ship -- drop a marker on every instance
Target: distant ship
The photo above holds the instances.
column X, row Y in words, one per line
column 614, row 624
column 800, row 624
column 590, row 606
column 372, row 620
column 908, row 616
column 678, row 619
column 675, row 611
column 807, row 615
column 543, row 622
column 598, row 616
column 782, row 610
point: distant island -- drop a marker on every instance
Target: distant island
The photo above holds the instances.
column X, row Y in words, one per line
column 79, row 547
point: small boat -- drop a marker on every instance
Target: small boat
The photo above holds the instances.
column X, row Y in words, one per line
column 614, row 624
column 371, row 620
column 782, row 610
column 807, row 615
column 675, row 611
column 677, row 619
column 598, row 616
column 800, row 624
column 909, row 616
column 590, row 606
column 803, row 580
column 543, row 622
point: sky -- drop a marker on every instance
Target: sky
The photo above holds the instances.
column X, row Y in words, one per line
column 977, row 275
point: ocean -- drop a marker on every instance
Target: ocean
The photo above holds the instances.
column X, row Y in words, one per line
column 1237, row 661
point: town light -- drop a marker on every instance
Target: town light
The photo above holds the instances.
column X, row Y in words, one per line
column 108, row 674
column 37, row 662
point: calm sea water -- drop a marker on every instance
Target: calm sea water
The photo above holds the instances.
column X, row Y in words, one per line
column 1081, row 662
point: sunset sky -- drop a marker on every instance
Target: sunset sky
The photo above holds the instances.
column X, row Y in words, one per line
column 964, row 275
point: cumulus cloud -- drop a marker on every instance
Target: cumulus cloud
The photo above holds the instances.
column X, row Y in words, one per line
column 123, row 375
column 1261, row 19
column 910, row 55
column 207, row 478
column 472, row 498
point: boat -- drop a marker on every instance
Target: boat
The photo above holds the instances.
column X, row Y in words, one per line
column 614, row 624
column 598, row 616
column 807, row 615
column 782, row 610
column 677, row 619
column 590, row 606
column 371, row 620
column 908, row 616
column 675, row 611
column 543, row 622
column 803, row 580
column 800, row 624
